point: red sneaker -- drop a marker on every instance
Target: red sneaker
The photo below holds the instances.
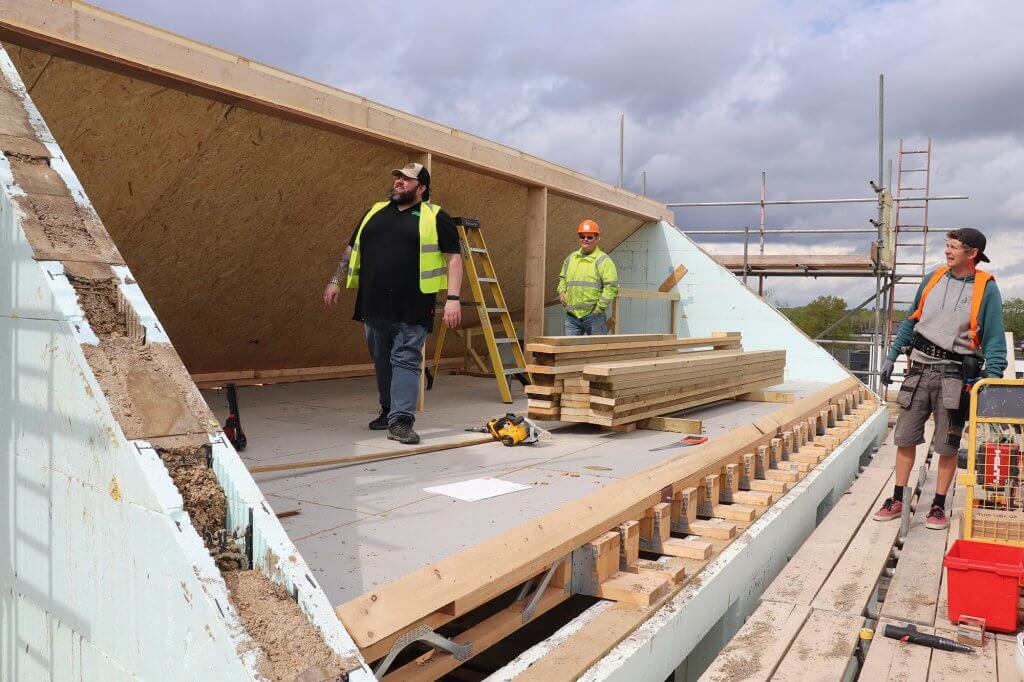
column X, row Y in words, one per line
column 891, row 509
column 936, row 519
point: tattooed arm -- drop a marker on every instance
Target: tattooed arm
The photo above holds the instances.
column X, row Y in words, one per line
column 333, row 290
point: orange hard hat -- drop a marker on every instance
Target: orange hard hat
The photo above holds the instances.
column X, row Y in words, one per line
column 588, row 227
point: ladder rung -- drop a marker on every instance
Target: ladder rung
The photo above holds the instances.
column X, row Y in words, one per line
column 477, row 249
column 914, row 151
column 908, row 262
column 915, row 226
column 495, row 310
column 487, row 279
column 505, row 340
column 911, row 189
column 914, row 170
column 898, row 244
column 512, row 371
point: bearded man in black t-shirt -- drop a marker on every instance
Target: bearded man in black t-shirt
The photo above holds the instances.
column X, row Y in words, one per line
column 402, row 253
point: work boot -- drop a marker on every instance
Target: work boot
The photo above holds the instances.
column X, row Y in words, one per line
column 891, row 509
column 402, row 431
column 936, row 519
column 381, row 422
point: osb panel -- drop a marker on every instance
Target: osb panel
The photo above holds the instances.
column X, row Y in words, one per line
column 501, row 209
column 55, row 226
column 232, row 221
column 28, row 62
column 235, row 254
column 128, row 140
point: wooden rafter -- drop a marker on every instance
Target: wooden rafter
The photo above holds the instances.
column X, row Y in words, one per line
column 88, row 34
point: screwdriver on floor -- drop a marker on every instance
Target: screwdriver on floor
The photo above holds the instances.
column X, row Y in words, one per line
column 909, row 633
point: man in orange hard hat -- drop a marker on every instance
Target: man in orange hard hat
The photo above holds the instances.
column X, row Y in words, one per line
column 587, row 284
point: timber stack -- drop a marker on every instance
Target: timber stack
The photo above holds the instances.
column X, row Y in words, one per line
column 624, row 379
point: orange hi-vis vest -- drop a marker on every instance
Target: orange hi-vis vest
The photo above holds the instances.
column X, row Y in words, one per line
column 981, row 279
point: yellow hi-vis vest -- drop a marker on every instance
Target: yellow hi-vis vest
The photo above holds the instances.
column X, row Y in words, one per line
column 433, row 271
column 590, row 282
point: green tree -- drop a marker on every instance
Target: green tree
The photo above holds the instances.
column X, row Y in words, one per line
column 823, row 311
column 1013, row 317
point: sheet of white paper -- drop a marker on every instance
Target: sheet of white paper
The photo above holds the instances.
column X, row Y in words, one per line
column 477, row 489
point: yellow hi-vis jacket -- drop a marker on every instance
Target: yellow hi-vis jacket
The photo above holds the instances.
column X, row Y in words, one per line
column 589, row 282
column 433, row 271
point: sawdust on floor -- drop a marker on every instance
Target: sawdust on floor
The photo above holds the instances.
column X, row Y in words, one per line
column 291, row 646
column 742, row 656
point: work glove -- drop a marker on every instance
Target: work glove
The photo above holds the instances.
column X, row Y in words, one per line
column 885, row 375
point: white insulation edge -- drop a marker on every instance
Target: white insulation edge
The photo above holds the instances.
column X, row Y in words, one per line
column 67, row 301
column 133, row 294
column 274, row 553
column 231, row 473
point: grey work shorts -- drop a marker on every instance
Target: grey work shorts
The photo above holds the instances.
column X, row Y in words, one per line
column 922, row 395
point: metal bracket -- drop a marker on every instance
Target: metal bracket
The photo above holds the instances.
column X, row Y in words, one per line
column 460, row 652
column 531, row 608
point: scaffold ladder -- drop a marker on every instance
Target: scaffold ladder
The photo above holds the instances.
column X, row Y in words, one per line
column 491, row 308
column 910, row 246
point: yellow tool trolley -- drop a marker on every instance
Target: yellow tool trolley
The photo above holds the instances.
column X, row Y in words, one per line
column 994, row 480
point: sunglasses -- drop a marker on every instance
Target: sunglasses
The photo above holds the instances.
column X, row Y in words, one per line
column 587, row 237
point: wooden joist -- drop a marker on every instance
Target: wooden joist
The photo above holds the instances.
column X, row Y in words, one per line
column 600, row 575
column 460, row 582
column 581, row 650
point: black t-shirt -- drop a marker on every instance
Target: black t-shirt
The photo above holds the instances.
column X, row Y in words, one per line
column 389, row 266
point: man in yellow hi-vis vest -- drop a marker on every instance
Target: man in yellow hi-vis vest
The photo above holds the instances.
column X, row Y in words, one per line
column 402, row 253
column 587, row 284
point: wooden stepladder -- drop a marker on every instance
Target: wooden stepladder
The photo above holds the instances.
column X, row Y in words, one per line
column 495, row 321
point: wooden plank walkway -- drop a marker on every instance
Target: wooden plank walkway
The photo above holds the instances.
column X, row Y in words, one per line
column 807, row 625
column 913, row 593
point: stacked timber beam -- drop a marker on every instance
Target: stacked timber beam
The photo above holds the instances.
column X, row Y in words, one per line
column 620, row 382
column 629, row 542
column 559, row 361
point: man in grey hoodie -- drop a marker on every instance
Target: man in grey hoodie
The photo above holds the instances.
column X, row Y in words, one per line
column 955, row 325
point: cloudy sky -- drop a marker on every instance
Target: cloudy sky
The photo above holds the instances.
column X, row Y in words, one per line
column 713, row 93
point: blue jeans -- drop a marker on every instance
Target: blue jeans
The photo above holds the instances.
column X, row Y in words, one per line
column 397, row 351
column 588, row 325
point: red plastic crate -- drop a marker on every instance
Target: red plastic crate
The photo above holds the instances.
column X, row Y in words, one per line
column 984, row 580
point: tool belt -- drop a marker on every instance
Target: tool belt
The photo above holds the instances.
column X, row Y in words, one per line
column 969, row 366
column 914, row 367
column 928, row 348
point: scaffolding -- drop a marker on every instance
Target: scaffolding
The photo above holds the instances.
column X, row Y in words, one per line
column 893, row 277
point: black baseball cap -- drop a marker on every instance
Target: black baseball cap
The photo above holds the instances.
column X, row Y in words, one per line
column 972, row 239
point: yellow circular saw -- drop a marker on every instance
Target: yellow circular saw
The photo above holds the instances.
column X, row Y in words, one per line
column 511, row 430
